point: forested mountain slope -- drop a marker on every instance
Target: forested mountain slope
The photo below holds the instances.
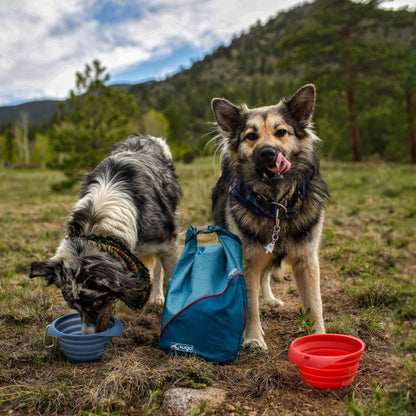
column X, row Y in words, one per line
column 361, row 58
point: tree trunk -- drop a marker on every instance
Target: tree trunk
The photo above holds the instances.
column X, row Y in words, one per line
column 354, row 133
column 24, row 144
column 411, row 127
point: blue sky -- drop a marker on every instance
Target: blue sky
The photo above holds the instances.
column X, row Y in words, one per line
column 44, row 43
column 159, row 67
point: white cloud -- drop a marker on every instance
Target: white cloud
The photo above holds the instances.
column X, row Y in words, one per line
column 43, row 43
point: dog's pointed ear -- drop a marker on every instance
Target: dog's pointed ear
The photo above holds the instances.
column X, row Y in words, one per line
column 133, row 291
column 302, row 104
column 46, row 269
column 226, row 113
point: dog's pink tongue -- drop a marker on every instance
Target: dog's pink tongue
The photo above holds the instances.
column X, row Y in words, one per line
column 282, row 165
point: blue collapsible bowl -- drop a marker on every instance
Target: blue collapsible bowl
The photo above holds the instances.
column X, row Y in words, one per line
column 77, row 346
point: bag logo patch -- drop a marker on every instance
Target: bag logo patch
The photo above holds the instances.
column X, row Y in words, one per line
column 176, row 346
column 233, row 272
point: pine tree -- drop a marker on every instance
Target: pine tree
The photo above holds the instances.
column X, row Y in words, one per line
column 93, row 118
column 334, row 48
column 395, row 73
column 410, row 93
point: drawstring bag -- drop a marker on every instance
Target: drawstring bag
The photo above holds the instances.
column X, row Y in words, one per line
column 205, row 307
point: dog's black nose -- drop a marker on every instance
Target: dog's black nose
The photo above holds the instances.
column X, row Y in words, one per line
column 268, row 155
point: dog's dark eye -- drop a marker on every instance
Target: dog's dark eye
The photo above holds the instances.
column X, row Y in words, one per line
column 280, row 132
column 252, row 136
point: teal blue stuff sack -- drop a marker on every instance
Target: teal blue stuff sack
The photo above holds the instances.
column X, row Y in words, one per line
column 206, row 304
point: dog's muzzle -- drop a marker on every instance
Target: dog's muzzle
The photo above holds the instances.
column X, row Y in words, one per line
column 271, row 163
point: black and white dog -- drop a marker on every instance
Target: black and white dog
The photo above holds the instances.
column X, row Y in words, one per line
column 127, row 209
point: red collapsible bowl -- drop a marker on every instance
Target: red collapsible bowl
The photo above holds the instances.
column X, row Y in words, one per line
column 327, row 361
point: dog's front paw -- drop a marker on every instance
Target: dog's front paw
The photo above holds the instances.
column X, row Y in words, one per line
column 273, row 301
column 157, row 300
column 256, row 343
column 319, row 330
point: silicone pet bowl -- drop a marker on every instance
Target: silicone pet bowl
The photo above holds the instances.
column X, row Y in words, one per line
column 77, row 346
column 327, row 361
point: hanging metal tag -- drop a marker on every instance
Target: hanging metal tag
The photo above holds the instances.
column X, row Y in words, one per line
column 275, row 236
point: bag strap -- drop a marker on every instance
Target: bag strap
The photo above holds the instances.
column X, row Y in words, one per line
column 208, row 229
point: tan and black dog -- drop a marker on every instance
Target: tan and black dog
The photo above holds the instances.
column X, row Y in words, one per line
column 272, row 196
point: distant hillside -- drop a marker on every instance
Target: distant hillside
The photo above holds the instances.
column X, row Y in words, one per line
column 39, row 112
column 274, row 59
column 257, row 68
column 249, row 56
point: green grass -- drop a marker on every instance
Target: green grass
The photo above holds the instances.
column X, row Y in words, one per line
column 372, row 245
column 368, row 286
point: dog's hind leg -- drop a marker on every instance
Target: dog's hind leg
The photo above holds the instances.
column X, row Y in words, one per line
column 266, row 289
column 167, row 259
column 307, row 277
column 156, row 295
column 155, row 269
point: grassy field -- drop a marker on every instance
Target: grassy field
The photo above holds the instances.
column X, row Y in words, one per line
column 368, row 285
